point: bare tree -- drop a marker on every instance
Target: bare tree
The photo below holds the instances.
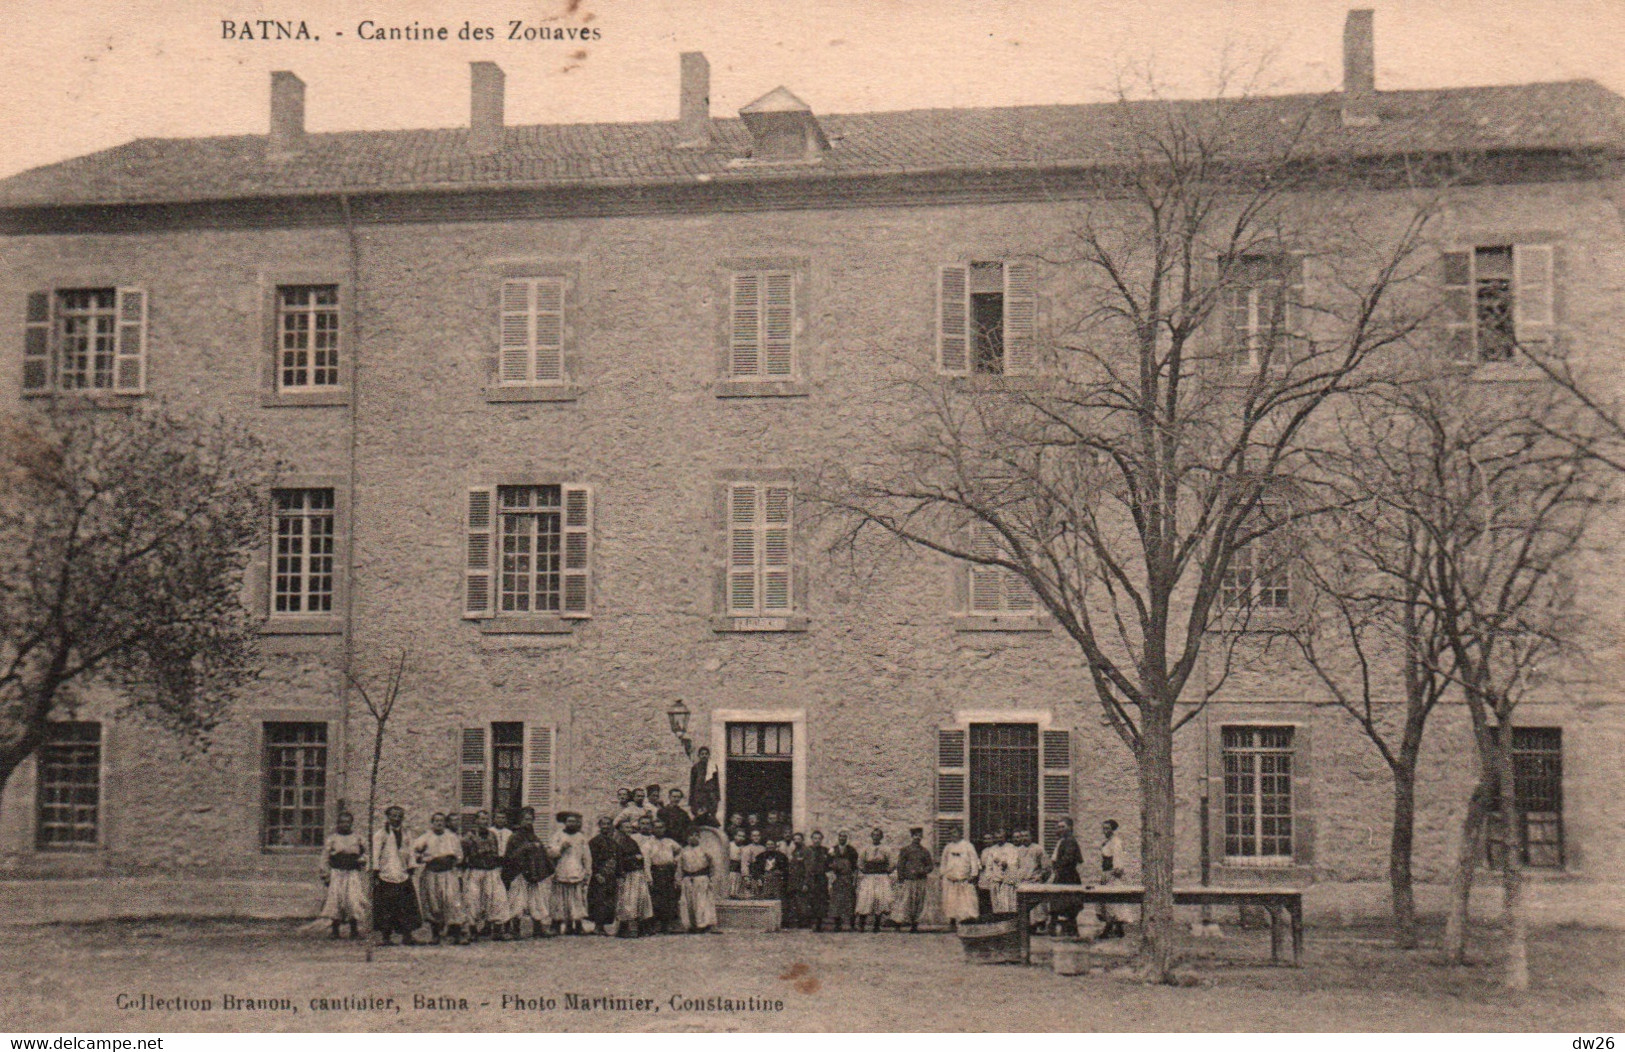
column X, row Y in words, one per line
column 123, row 540
column 1222, row 290
column 380, row 705
column 1470, row 503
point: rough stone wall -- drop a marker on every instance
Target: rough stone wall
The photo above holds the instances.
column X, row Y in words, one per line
column 881, row 664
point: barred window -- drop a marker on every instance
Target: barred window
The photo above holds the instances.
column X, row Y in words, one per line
column 307, row 336
column 532, row 530
column 295, row 785
column 1537, row 786
column 68, row 795
column 1257, row 792
column 304, row 551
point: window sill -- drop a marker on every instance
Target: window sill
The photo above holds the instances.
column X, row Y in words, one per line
column 1002, row 623
column 1264, row 622
column 995, row 383
column 533, row 393
column 534, row 625
column 284, row 399
column 94, row 399
column 302, row 626
column 56, row 850
column 730, row 623
column 1501, row 372
column 762, row 389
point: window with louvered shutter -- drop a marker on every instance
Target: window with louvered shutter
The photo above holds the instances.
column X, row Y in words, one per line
column 994, row 589
column 760, row 548
column 1057, row 784
column 1533, row 295
column 761, row 328
column 1020, row 318
column 471, row 772
column 953, row 320
column 532, row 332
column 540, row 767
column 477, row 591
column 952, row 786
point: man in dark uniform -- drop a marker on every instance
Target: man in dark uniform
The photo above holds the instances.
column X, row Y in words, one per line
column 1064, row 864
column 601, row 891
column 815, row 886
column 673, row 816
column 704, row 786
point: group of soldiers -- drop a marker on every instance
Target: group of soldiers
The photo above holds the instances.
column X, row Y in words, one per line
column 483, row 882
column 646, row 871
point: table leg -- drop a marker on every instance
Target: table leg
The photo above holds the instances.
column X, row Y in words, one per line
column 1276, row 934
column 1023, row 906
column 1296, row 909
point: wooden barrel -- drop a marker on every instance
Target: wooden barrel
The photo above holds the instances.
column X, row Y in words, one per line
column 995, row 941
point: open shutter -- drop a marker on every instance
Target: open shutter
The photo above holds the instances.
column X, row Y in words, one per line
column 539, row 768
column 986, row 582
column 1294, row 336
column 744, row 327
column 1020, row 318
column 577, row 551
column 1057, row 784
column 130, row 355
column 515, row 354
column 1018, row 594
column 471, row 765
column 776, row 544
column 37, row 342
column 953, row 786
column 778, row 325
column 953, row 320
column 1532, row 296
column 477, row 597
column 1459, row 308
column 742, row 553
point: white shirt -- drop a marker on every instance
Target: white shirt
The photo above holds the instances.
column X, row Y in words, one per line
column 391, row 863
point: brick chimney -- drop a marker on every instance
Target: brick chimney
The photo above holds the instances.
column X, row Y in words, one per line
column 1359, row 70
column 485, row 107
column 694, row 107
column 287, row 114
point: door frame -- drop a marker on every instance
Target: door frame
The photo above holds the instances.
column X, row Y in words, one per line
column 797, row 719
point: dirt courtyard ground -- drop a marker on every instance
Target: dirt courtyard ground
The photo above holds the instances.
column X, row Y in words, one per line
column 65, row 978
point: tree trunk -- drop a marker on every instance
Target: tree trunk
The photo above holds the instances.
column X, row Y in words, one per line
column 1159, row 931
column 1399, row 859
column 11, row 758
column 1461, row 881
column 1512, row 905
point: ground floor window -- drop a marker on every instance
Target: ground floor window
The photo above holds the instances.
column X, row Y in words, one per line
column 295, row 785
column 1257, row 792
column 68, row 797
column 1003, row 778
column 1537, row 786
column 504, row 767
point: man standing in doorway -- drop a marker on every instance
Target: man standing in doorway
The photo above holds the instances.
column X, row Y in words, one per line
column 704, row 785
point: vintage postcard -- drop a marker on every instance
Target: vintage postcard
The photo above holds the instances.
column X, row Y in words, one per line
column 591, row 515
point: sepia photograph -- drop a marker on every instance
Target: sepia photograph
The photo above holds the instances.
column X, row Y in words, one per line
column 534, row 516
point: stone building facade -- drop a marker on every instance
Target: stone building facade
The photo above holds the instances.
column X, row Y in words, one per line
column 544, row 395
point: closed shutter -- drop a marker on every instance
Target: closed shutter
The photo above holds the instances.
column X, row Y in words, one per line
column 1532, row 296
column 1018, row 594
column 471, row 766
column 778, row 325
column 744, row 328
column 742, row 553
column 532, row 331
column 776, row 544
column 953, row 320
column 37, row 342
column 130, row 354
column 986, row 582
column 577, row 551
column 539, row 767
column 1459, row 312
column 1020, row 318
column 478, row 574
column 1057, row 784
column 953, row 786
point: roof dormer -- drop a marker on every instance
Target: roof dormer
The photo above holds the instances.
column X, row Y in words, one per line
column 783, row 129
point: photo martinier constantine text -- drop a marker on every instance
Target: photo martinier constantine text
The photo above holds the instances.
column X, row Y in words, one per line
column 988, row 567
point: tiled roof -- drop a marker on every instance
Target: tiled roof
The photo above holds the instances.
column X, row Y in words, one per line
column 1562, row 116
